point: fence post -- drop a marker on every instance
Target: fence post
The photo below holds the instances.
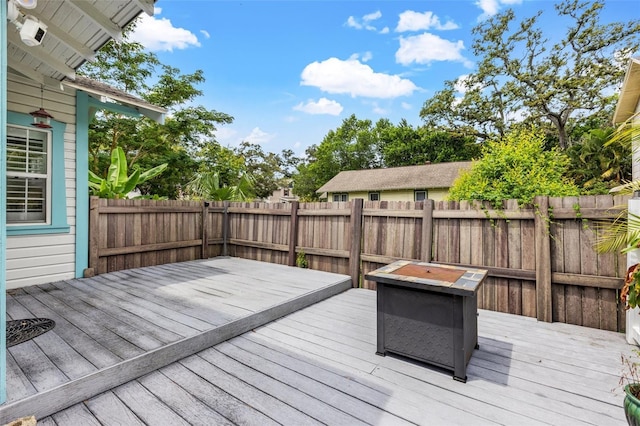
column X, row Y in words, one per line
column 356, row 241
column 94, row 237
column 204, row 232
column 293, row 233
column 427, row 230
column 543, row 260
column 225, row 229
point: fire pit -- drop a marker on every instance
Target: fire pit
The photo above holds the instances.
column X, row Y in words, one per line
column 428, row 312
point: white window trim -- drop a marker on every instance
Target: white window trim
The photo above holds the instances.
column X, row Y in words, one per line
column 48, row 177
column 415, row 194
column 340, row 194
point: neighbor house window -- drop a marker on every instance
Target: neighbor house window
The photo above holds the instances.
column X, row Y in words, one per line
column 374, row 196
column 420, row 195
column 28, row 175
column 285, row 192
column 341, row 197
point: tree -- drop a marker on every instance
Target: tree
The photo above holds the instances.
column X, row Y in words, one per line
column 209, row 186
column 597, row 166
column 352, row 146
column 403, row 145
column 522, row 75
column 266, row 168
column 515, row 167
column 187, row 130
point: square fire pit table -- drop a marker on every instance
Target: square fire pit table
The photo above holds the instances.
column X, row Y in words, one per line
column 428, row 312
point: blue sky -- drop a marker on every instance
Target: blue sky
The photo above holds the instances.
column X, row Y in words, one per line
column 290, row 71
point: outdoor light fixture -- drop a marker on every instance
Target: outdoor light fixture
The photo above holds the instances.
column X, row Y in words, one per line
column 32, row 31
column 41, row 118
column 27, row 4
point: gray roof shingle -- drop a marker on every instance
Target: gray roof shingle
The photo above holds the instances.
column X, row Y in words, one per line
column 438, row 175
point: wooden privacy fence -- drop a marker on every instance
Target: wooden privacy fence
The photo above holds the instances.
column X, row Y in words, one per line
column 541, row 260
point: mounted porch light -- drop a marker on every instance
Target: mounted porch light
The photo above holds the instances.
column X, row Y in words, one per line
column 41, row 117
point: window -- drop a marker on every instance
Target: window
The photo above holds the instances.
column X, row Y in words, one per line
column 28, row 175
column 36, row 201
column 341, row 197
column 285, row 192
column 374, row 196
column 420, row 195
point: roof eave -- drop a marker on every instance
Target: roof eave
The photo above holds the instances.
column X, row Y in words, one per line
column 629, row 93
column 154, row 112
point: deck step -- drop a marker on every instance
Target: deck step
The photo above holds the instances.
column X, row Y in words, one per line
column 48, row 402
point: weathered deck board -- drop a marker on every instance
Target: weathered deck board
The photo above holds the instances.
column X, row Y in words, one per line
column 117, row 327
column 298, row 370
column 318, row 365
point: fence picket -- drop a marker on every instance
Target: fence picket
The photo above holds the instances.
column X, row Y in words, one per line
column 338, row 237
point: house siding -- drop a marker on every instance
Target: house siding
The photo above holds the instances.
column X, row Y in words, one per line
column 437, row 194
column 41, row 258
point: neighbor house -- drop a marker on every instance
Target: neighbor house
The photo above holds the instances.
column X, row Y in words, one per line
column 46, row 158
column 408, row 183
column 282, row 195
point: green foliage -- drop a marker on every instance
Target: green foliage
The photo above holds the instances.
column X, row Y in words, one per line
column 624, row 233
column 268, row 170
column 597, row 166
column 118, row 183
column 352, row 146
column 525, row 76
column 358, row 144
column 515, row 167
column 301, row 260
column 187, row 130
column 208, row 186
column 403, row 145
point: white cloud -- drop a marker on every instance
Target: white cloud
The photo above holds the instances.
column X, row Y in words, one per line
column 227, row 136
column 427, row 47
column 367, row 56
column 351, row 22
column 492, row 7
column 415, row 21
column 379, row 110
column 290, row 119
column 159, row 34
column 297, row 144
column 231, row 137
column 257, row 136
column 372, row 16
column 406, row 105
column 323, row 106
column 205, row 33
column 385, row 30
column 354, row 78
column 364, row 22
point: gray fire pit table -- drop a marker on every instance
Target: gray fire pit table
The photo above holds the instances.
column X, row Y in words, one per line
column 428, row 312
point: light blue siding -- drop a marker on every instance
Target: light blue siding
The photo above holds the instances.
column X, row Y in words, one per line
column 82, row 189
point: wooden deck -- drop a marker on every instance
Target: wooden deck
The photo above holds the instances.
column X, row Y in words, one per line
column 318, row 366
column 116, row 327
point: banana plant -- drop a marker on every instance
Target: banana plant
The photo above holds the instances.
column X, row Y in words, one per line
column 118, row 183
column 207, row 185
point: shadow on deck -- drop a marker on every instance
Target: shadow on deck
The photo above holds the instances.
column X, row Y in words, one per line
column 117, row 327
